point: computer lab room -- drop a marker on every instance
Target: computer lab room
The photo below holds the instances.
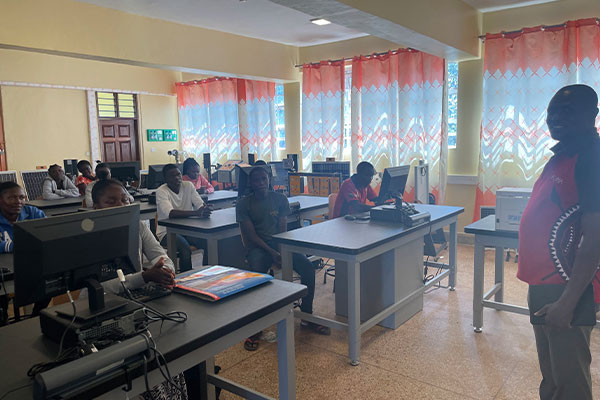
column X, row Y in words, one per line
column 317, row 199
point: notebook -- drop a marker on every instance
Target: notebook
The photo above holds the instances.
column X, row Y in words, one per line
column 217, row 282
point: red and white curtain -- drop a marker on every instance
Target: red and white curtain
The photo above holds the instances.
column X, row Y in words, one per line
column 322, row 112
column 228, row 118
column 397, row 114
column 522, row 71
column 258, row 130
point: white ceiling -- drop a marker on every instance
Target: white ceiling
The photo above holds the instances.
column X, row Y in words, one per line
column 259, row 19
column 496, row 5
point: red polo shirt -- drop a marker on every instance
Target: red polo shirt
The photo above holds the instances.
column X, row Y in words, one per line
column 348, row 193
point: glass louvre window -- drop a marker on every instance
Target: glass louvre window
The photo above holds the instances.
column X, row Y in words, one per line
column 116, row 105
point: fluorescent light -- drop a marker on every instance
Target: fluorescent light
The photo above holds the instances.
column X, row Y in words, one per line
column 320, row 21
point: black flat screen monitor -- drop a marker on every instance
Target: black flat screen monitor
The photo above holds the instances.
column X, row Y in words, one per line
column 125, row 171
column 70, row 252
column 156, row 177
column 393, row 182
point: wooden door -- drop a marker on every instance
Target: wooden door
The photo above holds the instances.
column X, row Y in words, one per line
column 2, row 147
column 119, row 140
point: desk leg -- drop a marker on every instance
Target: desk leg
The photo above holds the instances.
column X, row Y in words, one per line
column 172, row 247
column 286, row 264
column 478, row 275
column 354, row 312
column 213, row 251
column 286, row 357
column 452, row 255
column 499, row 274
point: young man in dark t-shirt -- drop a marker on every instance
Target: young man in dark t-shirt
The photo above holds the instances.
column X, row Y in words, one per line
column 262, row 214
column 559, row 249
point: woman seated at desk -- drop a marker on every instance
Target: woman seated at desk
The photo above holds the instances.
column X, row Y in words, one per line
column 191, row 173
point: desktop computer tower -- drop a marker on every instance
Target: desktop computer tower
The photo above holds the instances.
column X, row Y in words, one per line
column 251, row 158
column 294, row 158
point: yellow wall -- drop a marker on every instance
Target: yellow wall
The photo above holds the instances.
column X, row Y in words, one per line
column 158, row 112
column 44, row 126
column 84, row 29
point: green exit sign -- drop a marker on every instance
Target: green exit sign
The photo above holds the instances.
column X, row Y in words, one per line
column 162, row 135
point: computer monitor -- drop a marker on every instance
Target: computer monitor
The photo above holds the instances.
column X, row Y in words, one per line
column 70, row 252
column 243, row 184
column 127, row 171
column 156, row 177
column 280, row 172
column 393, row 182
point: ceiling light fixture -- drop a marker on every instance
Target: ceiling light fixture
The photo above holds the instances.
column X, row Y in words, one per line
column 320, row 21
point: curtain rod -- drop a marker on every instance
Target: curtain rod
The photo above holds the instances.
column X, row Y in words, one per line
column 351, row 58
column 542, row 27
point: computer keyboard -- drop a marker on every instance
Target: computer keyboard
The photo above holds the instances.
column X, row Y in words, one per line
column 147, row 293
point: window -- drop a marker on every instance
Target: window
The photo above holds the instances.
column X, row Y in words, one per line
column 452, row 103
column 347, row 106
column 116, row 105
column 279, row 117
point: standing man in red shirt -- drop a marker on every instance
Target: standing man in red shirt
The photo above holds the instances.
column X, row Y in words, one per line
column 559, row 246
column 355, row 191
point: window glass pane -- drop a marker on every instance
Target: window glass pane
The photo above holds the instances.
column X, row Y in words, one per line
column 452, row 103
column 347, row 105
column 280, row 117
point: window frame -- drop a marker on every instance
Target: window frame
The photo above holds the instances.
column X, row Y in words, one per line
column 115, row 96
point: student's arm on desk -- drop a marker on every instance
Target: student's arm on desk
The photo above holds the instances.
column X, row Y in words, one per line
column 47, row 193
column 70, row 189
column 6, row 244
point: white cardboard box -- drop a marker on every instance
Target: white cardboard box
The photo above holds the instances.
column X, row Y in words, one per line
column 510, row 204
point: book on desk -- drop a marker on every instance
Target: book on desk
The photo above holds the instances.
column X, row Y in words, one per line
column 217, row 282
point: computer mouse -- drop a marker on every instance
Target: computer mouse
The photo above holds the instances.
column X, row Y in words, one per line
column 350, row 217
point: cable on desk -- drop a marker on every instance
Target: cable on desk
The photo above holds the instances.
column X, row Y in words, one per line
column 62, row 339
column 15, row 390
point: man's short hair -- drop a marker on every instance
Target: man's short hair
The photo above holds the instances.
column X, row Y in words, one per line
column 167, row 168
column 83, row 163
column 586, row 95
column 364, row 168
column 53, row 166
column 102, row 170
column 4, row 186
column 257, row 169
column 101, row 187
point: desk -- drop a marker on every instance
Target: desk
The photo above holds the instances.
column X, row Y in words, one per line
column 486, row 235
column 222, row 230
column 222, row 198
column 399, row 253
column 66, row 205
column 210, row 329
column 147, row 210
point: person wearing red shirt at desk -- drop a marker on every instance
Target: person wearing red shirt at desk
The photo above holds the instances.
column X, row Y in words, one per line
column 355, row 191
column 86, row 177
column 191, row 173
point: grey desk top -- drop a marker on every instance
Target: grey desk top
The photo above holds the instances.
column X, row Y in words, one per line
column 47, row 204
column 23, row 345
column 221, row 195
column 487, row 226
column 145, row 207
column 354, row 237
column 225, row 218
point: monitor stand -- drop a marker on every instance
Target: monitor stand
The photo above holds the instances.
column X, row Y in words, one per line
column 97, row 305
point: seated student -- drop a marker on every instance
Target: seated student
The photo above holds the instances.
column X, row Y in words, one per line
column 57, row 185
column 86, row 177
column 111, row 193
column 108, row 193
column 355, row 191
column 179, row 199
column 102, row 173
column 13, row 209
column 262, row 214
column 191, row 173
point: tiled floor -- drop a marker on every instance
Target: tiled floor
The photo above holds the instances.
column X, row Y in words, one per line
column 435, row 355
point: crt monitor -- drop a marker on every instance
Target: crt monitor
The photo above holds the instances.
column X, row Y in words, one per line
column 70, row 252
column 243, row 184
column 155, row 175
column 393, row 182
column 127, row 171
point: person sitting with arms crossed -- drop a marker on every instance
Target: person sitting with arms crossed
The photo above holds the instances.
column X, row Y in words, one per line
column 355, row 191
column 13, row 209
column 160, row 269
column 102, row 173
column 86, row 177
column 262, row 214
column 191, row 173
column 57, row 185
column 179, row 199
